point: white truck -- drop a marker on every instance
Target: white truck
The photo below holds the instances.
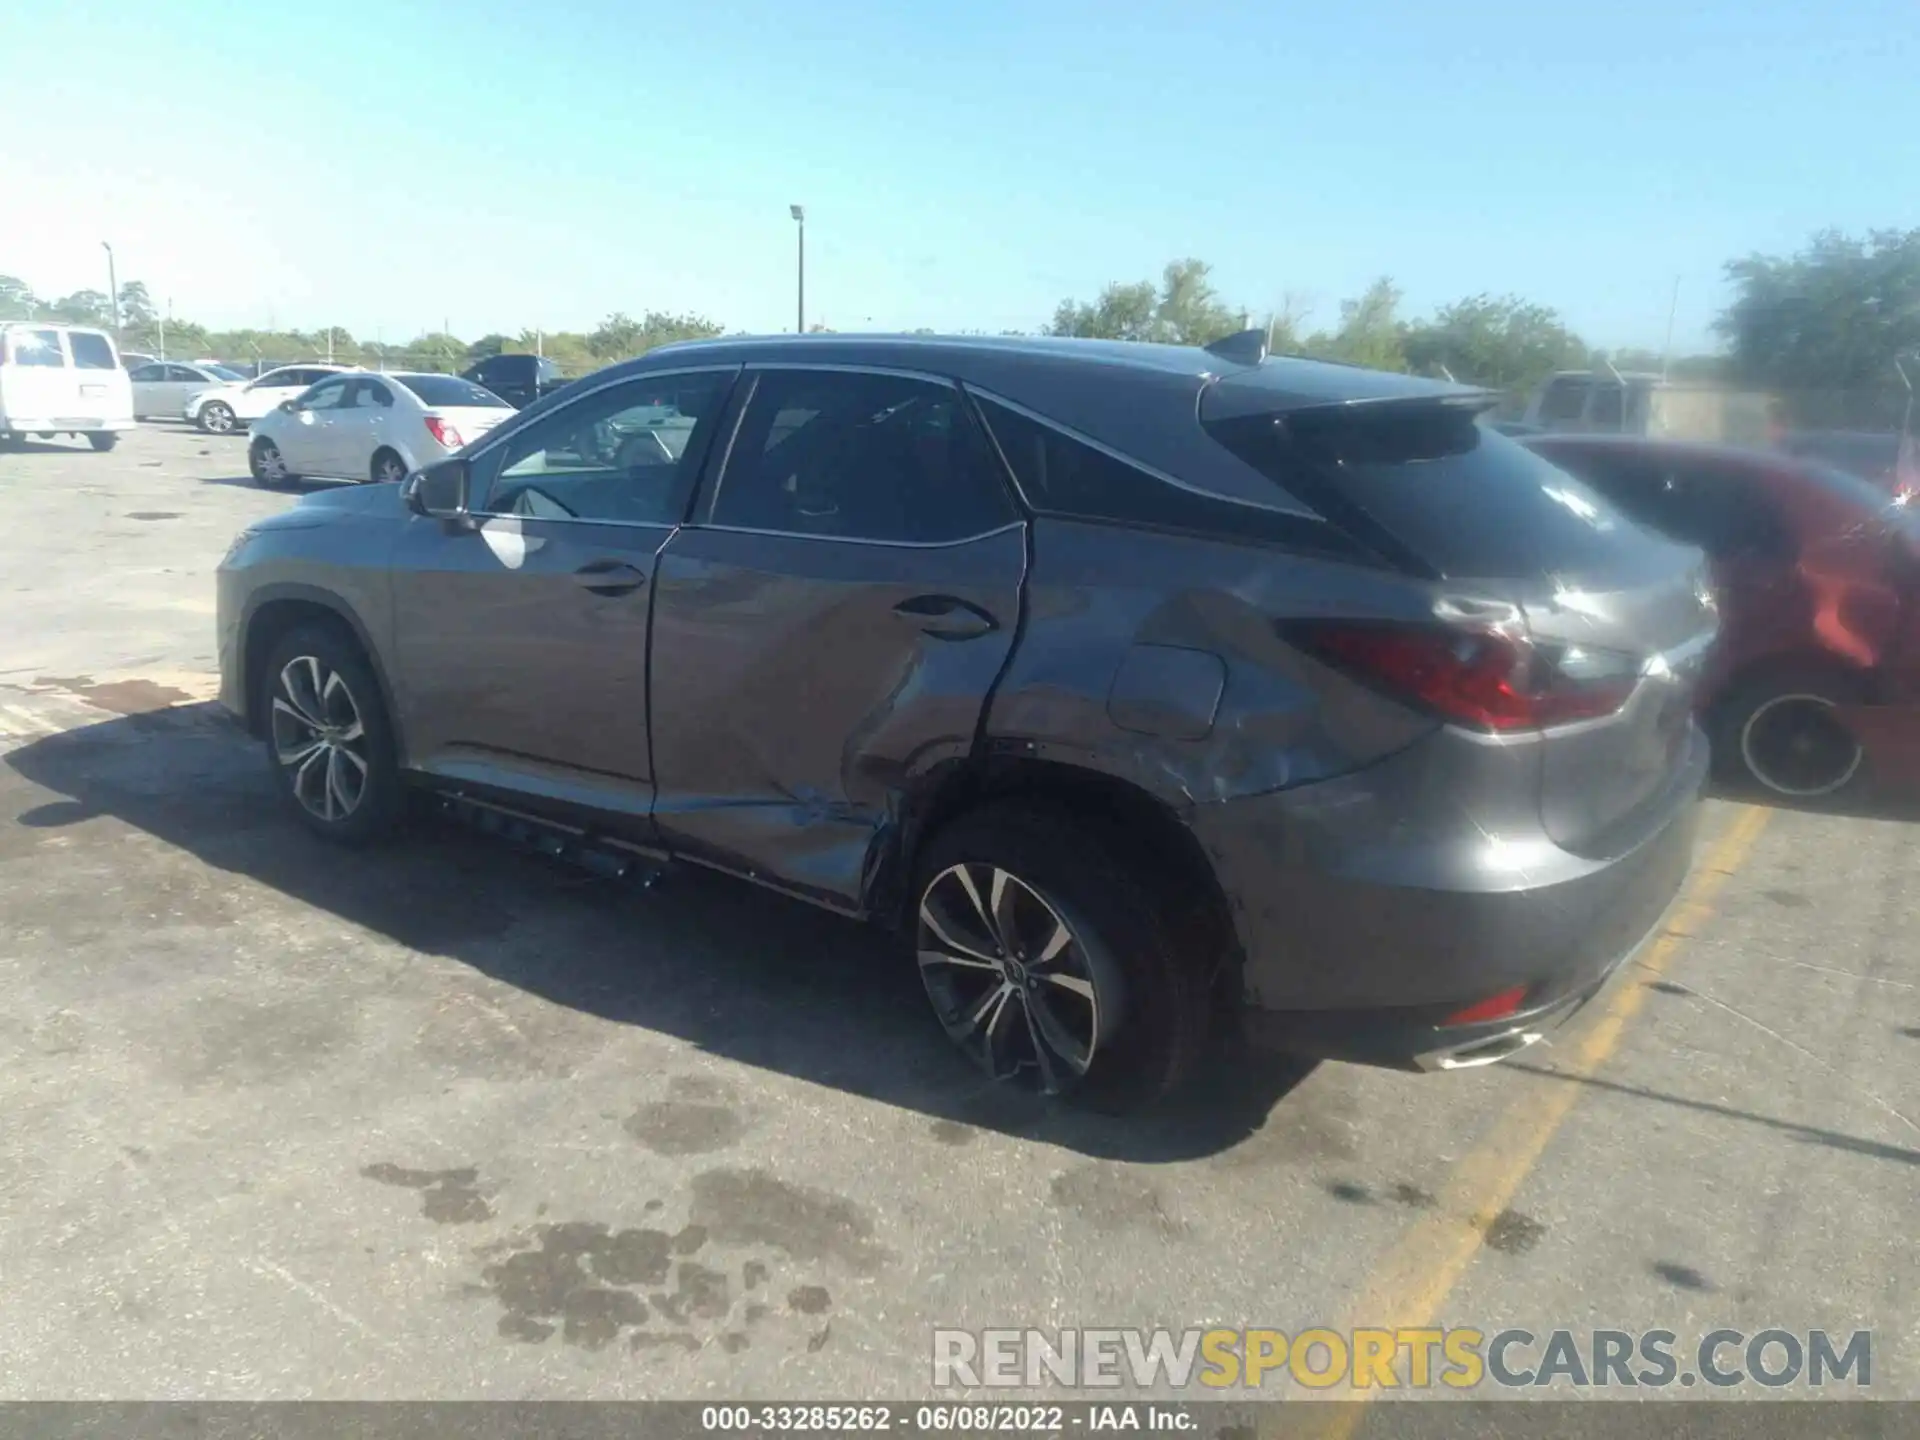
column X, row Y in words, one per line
column 1612, row 402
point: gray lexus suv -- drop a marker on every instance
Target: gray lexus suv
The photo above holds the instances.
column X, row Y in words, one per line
column 1138, row 686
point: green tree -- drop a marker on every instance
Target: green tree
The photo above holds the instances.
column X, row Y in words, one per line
column 83, row 307
column 486, row 347
column 1824, row 326
column 17, row 300
column 1370, row 334
column 1183, row 309
column 136, row 306
column 1501, row 342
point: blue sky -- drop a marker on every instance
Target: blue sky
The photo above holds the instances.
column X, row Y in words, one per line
column 386, row 166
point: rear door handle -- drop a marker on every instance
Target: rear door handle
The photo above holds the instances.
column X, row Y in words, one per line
column 946, row 616
column 609, row 577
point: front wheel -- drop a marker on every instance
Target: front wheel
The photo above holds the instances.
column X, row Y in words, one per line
column 1053, row 963
column 216, row 418
column 268, row 465
column 102, row 439
column 329, row 738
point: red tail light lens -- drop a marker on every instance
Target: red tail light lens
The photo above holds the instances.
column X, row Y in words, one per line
column 1494, row 1007
column 1482, row 679
column 444, row 433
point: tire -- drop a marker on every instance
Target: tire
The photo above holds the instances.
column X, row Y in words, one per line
column 328, row 737
column 102, row 440
column 387, row 468
column 216, row 417
column 1128, row 990
column 1778, row 732
column 269, row 470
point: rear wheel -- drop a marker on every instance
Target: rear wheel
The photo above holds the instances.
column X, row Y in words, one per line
column 216, row 417
column 269, row 467
column 328, row 736
column 388, row 468
column 1785, row 734
column 102, row 439
column 1053, row 963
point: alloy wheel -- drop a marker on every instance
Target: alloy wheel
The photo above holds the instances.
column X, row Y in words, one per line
column 1796, row 746
column 1015, row 986
column 272, row 464
column 218, row 419
column 320, row 739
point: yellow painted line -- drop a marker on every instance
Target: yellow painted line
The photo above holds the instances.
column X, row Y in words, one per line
column 1413, row 1279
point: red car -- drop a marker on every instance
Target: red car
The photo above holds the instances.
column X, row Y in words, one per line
column 1815, row 683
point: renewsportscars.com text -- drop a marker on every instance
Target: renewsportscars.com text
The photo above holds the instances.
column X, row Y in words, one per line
column 1461, row 1358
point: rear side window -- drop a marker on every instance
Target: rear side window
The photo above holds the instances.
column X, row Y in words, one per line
column 40, row 348
column 1564, row 400
column 1060, row 475
column 92, row 352
column 862, row 457
column 1440, row 489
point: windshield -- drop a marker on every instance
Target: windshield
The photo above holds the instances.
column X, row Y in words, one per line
column 450, row 391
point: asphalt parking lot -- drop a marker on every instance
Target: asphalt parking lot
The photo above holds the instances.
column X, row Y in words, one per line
column 449, row 1122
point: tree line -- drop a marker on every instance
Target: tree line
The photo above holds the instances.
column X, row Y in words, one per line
column 1833, row 329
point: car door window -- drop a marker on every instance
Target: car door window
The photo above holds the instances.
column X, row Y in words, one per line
column 147, row 374
column 367, row 395
column 626, row 454
column 187, row 375
column 1565, row 400
column 861, row 456
column 92, row 352
column 39, row 348
column 329, row 396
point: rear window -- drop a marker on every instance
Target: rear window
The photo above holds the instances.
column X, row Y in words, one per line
column 38, row 348
column 1443, row 490
column 450, row 391
column 92, row 352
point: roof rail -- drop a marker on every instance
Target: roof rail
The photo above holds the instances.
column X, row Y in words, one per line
column 1248, row 347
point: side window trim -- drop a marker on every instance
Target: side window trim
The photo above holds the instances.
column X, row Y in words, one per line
column 709, row 497
column 485, row 460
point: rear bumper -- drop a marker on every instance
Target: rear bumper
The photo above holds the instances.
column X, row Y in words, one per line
column 64, row 424
column 1371, row 960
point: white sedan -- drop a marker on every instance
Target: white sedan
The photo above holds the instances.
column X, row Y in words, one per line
column 162, row 388
column 223, row 410
column 363, row 426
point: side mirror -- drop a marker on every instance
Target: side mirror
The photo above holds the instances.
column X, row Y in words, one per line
column 439, row 492
column 289, row 407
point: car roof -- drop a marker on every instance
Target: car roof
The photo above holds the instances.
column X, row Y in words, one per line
column 1141, row 399
column 50, row 325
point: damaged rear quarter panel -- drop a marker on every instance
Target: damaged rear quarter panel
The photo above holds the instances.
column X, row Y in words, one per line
column 1097, row 593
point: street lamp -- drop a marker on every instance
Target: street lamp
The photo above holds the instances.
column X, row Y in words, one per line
column 799, row 213
column 113, row 289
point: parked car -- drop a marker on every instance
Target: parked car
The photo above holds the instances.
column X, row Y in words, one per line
column 518, row 379
column 370, row 427
column 1605, row 402
column 1131, row 684
column 161, row 390
column 1816, row 681
column 62, row 380
column 221, row 409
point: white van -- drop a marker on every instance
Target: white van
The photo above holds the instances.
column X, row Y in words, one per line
column 62, row 380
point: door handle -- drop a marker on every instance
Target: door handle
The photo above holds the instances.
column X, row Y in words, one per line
column 946, row 617
column 609, row 577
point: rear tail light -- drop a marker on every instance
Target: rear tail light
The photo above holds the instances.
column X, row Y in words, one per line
column 444, row 432
column 1494, row 1007
column 1483, row 679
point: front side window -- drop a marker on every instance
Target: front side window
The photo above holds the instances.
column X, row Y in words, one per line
column 626, row 454
column 861, row 456
column 330, row 396
column 91, row 351
column 38, row 348
column 1565, row 400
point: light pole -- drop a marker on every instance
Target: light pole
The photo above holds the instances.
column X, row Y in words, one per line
column 799, row 213
column 113, row 290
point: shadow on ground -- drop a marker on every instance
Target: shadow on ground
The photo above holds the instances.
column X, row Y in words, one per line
column 740, row 973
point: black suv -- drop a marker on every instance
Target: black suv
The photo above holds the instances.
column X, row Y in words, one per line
column 517, row 379
column 1123, row 680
